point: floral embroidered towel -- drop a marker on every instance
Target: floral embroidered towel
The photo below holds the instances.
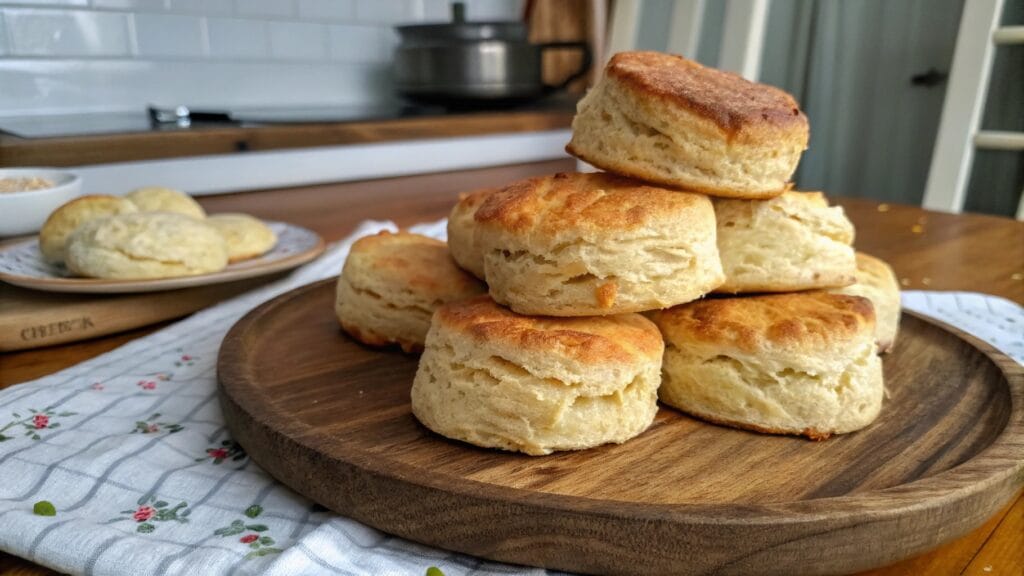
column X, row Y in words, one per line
column 131, row 449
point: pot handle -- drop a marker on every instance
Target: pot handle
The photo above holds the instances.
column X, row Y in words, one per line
column 579, row 73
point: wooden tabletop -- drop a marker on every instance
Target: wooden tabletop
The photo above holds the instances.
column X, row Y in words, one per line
column 928, row 250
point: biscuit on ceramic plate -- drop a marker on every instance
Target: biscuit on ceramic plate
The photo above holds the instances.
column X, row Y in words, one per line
column 496, row 379
column 391, row 284
column 793, row 242
column 145, row 245
column 65, row 219
column 460, row 232
column 158, row 199
column 669, row 120
column 577, row 244
column 877, row 282
column 246, row 236
column 801, row 363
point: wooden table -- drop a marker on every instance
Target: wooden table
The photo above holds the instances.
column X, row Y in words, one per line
column 928, row 250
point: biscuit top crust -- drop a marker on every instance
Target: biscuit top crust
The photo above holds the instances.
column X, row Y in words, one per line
column 595, row 341
column 469, row 202
column 159, row 199
column 166, row 236
column 873, row 271
column 411, row 260
column 588, row 203
column 732, row 102
column 90, row 204
column 797, row 321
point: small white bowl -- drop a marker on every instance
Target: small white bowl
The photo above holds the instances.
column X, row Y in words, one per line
column 25, row 212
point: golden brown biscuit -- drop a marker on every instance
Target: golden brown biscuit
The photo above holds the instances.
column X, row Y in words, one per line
column 801, row 363
column 497, row 379
column 877, row 282
column 246, row 236
column 145, row 245
column 64, row 220
column 460, row 232
column 793, row 242
column 669, row 120
column 158, row 199
column 576, row 244
column 392, row 283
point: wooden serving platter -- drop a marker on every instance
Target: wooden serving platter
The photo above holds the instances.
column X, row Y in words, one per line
column 331, row 419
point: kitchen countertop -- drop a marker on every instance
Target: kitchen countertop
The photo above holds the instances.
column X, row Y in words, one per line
column 928, row 250
column 206, row 139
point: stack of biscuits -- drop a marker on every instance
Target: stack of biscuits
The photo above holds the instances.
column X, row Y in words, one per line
column 565, row 306
column 152, row 232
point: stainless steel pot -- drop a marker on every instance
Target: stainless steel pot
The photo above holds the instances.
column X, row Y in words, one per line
column 475, row 62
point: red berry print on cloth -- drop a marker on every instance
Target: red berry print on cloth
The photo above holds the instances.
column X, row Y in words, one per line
column 184, row 359
column 260, row 543
column 151, row 511
column 34, row 422
column 151, row 426
column 146, row 384
column 228, row 450
column 144, row 513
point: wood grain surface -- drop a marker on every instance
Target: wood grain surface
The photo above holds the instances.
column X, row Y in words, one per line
column 947, row 252
column 33, row 319
column 685, row 497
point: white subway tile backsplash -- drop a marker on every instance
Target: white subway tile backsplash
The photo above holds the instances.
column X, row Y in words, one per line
column 40, row 86
column 359, row 44
column 68, row 56
column 265, row 7
column 493, row 10
column 210, row 7
column 339, row 10
column 389, row 11
column 41, row 3
column 141, row 5
column 3, row 36
column 437, row 11
column 168, row 35
column 298, row 40
column 67, row 33
column 244, row 39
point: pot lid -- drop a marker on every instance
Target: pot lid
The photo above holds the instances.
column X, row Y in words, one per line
column 461, row 30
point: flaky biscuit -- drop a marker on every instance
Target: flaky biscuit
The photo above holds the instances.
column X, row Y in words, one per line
column 391, row 284
column 64, row 220
column 801, row 363
column 461, row 232
column 536, row 385
column 246, row 236
column 577, row 244
column 877, row 282
column 665, row 119
column 159, row 199
column 793, row 242
column 145, row 245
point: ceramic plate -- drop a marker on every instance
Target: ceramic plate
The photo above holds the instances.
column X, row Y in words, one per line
column 21, row 264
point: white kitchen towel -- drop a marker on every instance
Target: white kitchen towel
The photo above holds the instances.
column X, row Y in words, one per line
column 131, row 449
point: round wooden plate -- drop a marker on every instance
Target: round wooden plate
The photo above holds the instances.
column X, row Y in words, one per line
column 21, row 264
column 331, row 419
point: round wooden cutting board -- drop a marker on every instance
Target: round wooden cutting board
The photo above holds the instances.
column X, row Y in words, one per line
column 331, row 419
